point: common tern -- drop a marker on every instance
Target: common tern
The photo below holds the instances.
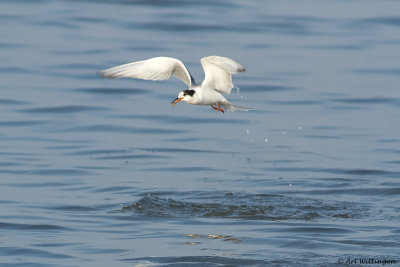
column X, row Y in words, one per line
column 217, row 81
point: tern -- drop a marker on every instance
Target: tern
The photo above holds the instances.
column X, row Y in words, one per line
column 217, row 80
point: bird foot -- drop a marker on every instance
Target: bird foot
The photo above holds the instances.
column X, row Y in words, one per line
column 218, row 107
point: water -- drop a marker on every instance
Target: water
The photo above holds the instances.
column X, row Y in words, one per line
column 98, row 172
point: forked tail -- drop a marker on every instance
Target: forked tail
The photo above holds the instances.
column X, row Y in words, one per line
column 231, row 107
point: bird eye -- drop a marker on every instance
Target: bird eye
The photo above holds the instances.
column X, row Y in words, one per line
column 188, row 92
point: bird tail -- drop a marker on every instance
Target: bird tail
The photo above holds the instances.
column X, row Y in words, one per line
column 231, row 107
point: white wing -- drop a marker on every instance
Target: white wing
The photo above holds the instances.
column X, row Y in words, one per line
column 218, row 72
column 157, row 68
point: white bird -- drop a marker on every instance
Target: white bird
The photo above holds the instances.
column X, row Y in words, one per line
column 217, row 80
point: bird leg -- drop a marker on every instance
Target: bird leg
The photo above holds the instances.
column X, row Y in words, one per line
column 218, row 107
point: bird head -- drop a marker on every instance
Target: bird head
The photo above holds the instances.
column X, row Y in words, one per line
column 186, row 96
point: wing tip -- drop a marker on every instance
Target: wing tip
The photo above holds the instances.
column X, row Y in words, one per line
column 106, row 74
column 101, row 73
column 232, row 66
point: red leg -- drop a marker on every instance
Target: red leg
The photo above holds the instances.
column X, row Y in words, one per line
column 218, row 107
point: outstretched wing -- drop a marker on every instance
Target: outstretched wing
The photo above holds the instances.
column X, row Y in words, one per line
column 157, row 68
column 218, row 72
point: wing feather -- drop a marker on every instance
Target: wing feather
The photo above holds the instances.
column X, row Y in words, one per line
column 218, row 73
column 157, row 68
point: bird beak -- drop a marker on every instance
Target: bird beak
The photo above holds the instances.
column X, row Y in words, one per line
column 176, row 100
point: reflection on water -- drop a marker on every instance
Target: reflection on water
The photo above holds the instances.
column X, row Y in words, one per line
column 107, row 172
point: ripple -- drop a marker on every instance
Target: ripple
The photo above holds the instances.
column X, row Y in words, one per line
column 47, row 172
column 25, row 252
column 99, row 152
column 115, row 189
column 115, row 154
column 21, row 123
column 266, row 88
column 8, row 164
column 182, row 119
column 350, row 47
column 167, row 3
column 297, row 102
column 370, row 243
column 392, row 21
column 113, row 91
column 386, row 191
column 211, row 236
column 89, row 19
column 181, row 26
column 122, row 129
column 60, row 24
column 74, row 208
column 154, row 48
column 32, row 227
column 183, row 150
column 190, row 169
column 357, row 172
column 368, row 100
column 12, row 102
column 80, row 51
column 9, row 45
column 243, row 206
column 378, row 71
column 39, row 185
column 64, row 109
column 63, row 172
column 74, row 66
column 366, row 172
column 203, row 261
column 84, row 175
column 130, row 156
column 318, row 230
column 270, row 24
column 14, row 70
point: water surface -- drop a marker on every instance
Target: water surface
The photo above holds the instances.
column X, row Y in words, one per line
column 107, row 173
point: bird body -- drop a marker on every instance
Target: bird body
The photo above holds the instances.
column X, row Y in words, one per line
column 217, row 81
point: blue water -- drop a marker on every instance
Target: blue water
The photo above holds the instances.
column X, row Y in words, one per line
column 97, row 172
